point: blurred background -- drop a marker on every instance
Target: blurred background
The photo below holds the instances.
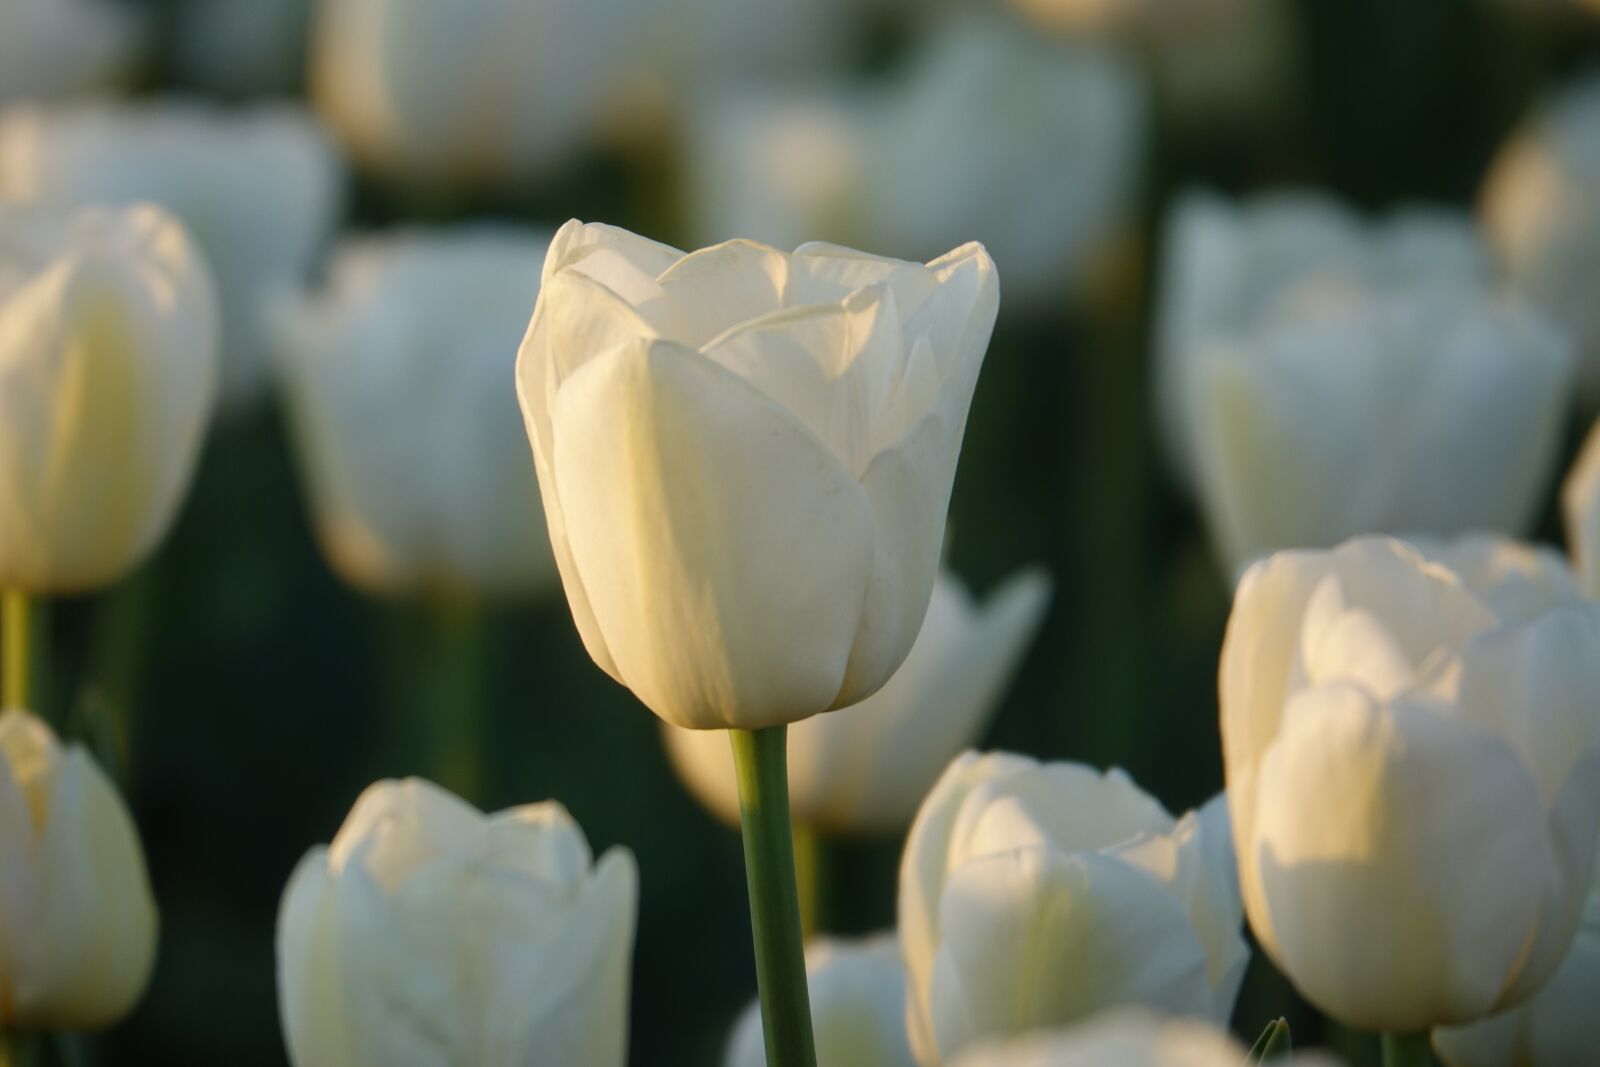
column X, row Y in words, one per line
column 244, row 694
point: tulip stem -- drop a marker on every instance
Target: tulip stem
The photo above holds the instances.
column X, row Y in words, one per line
column 1406, row 1050
column 808, row 878
column 761, row 762
column 14, row 625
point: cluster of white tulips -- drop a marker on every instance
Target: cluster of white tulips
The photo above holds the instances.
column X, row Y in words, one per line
column 737, row 464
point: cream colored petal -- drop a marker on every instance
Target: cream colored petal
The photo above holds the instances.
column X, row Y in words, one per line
column 1517, row 581
column 1580, row 504
column 396, row 828
column 539, row 840
column 1035, row 938
column 311, row 987
column 1413, row 900
column 575, row 240
column 715, row 289
column 723, row 551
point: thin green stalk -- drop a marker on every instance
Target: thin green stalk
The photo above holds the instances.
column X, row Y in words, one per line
column 1406, row 1050
column 761, row 762
column 14, row 624
column 808, row 878
column 457, row 680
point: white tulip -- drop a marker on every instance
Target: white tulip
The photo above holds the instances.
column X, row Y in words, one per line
column 108, row 369
column 1433, row 413
column 75, row 903
column 1541, row 208
column 1045, row 190
column 258, row 189
column 1034, row 895
column 746, row 457
column 50, row 48
column 429, row 934
column 1557, row 1027
column 1231, row 269
column 1412, row 750
column 411, row 444
column 1580, row 505
column 1126, row 1038
column 866, row 768
column 858, row 1007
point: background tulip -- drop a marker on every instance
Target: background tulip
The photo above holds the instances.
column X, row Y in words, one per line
column 53, row 47
column 1448, row 704
column 858, row 1007
column 410, row 441
column 258, row 190
column 1434, row 414
column 875, row 167
column 1229, row 268
column 75, row 900
column 427, row 933
column 1541, row 208
column 108, row 370
column 1125, row 1038
column 746, row 457
column 1033, row 895
column 1580, row 504
column 867, row 767
column 1556, row 1027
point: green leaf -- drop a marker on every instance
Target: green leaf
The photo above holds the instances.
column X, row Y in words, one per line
column 1273, row 1042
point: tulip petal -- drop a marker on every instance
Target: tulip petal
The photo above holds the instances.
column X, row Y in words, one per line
column 716, row 288
column 576, row 240
column 723, row 550
column 310, row 979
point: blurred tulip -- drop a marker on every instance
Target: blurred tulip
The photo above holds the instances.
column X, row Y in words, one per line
column 746, row 457
column 108, row 369
column 1446, row 706
column 428, row 933
column 1045, row 190
column 1437, row 413
column 1541, row 208
column 241, row 46
column 1230, row 270
column 411, row 444
column 1557, row 1027
column 1126, row 1038
column 75, row 903
column 858, row 1007
column 51, row 48
column 866, row 768
column 258, row 189
column 1034, row 895
column 1580, row 505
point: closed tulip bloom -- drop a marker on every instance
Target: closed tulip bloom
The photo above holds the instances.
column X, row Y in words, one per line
column 1230, row 268
column 867, row 767
column 1580, row 504
column 1435, row 414
column 871, row 165
column 50, row 48
column 1126, row 1038
column 75, row 900
column 410, row 442
column 746, row 457
column 1412, row 749
column 258, row 190
column 1541, row 208
column 430, row 934
column 1035, row 895
column 1556, row 1027
column 108, row 370
column 858, row 1007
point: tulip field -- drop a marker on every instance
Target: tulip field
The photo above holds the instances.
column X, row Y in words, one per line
column 799, row 533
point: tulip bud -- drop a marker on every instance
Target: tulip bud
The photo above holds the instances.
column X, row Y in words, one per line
column 430, row 933
column 1541, row 210
column 866, row 768
column 1034, row 895
column 858, row 1007
column 1126, row 1038
column 108, row 370
column 258, row 190
column 411, row 445
column 1412, row 750
column 1580, row 505
column 75, row 903
column 746, row 457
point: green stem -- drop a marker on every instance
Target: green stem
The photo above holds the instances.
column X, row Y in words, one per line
column 1406, row 1050
column 808, row 878
column 14, row 658
column 761, row 763
column 459, row 696
column 18, row 1048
